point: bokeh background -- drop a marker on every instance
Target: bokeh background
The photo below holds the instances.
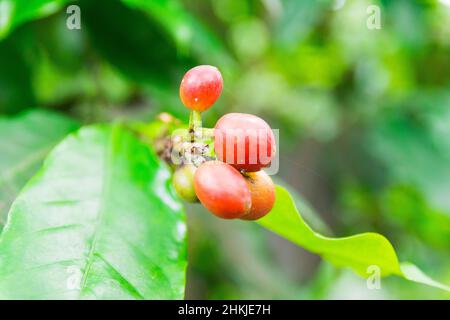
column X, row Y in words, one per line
column 364, row 119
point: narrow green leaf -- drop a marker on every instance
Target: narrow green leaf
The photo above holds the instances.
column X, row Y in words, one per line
column 357, row 252
column 413, row 273
column 99, row 221
column 25, row 140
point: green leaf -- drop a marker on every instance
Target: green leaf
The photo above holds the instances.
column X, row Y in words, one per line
column 25, row 141
column 309, row 214
column 16, row 12
column 99, row 221
column 357, row 252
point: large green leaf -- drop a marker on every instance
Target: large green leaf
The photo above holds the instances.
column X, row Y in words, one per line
column 16, row 12
column 358, row 252
column 99, row 221
column 24, row 143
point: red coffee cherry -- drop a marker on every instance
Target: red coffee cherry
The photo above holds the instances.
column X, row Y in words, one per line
column 183, row 182
column 201, row 87
column 222, row 190
column 245, row 141
column 262, row 191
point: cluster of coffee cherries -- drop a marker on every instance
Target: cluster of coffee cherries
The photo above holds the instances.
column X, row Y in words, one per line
column 230, row 184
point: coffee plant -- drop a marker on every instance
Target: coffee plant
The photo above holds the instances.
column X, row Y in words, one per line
column 95, row 208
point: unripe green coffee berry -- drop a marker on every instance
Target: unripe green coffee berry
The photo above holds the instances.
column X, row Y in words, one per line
column 183, row 181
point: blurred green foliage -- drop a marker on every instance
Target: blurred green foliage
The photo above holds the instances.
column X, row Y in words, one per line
column 25, row 143
column 364, row 116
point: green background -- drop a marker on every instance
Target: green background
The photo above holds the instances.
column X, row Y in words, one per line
column 364, row 118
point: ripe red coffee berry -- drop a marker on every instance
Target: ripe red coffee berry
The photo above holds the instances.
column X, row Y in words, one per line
column 201, row 87
column 245, row 141
column 222, row 190
column 262, row 191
